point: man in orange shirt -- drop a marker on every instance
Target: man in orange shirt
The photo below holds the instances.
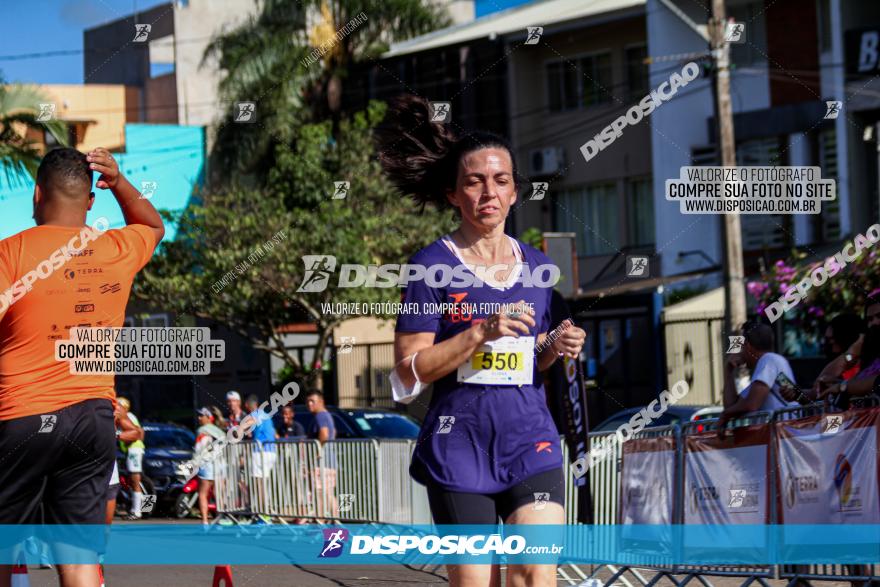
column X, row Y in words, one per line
column 57, row 435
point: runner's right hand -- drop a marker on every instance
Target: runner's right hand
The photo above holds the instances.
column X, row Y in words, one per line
column 507, row 323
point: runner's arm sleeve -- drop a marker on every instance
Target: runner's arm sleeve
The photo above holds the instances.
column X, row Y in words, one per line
column 419, row 313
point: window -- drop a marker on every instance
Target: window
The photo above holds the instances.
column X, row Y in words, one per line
column 573, row 83
column 596, row 79
column 640, row 212
column 637, row 72
column 591, row 212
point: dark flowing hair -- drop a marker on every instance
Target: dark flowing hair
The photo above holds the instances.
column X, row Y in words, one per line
column 421, row 157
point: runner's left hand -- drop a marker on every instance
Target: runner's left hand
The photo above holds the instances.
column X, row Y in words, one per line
column 102, row 161
column 570, row 342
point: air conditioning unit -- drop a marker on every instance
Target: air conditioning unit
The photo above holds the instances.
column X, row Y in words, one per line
column 546, row 161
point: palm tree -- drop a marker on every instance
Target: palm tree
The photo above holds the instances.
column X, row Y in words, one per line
column 19, row 113
column 271, row 60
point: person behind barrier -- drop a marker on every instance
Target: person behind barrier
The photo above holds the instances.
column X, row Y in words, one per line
column 259, row 424
column 845, row 362
column 322, row 428
column 763, row 392
column 233, row 404
column 488, row 447
column 57, row 435
column 134, row 459
column 865, row 380
column 289, row 427
column 207, row 434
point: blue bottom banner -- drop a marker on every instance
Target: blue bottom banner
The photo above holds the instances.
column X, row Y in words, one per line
column 358, row 544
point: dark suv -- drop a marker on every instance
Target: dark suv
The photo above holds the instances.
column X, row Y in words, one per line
column 365, row 422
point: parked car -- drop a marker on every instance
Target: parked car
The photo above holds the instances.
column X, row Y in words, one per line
column 706, row 413
column 168, row 446
column 672, row 415
column 364, row 422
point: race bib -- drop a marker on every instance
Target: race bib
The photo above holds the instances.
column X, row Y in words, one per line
column 506, row 361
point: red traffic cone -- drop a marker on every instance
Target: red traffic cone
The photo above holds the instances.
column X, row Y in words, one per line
column 20, row 575
column 101, row 574
column 224, row 575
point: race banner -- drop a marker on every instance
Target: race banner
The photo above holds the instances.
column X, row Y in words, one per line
column 827, row 474
column 647, row 481
column 726, row 484
column 647, row 490
column 828, row 469
column 567, row 399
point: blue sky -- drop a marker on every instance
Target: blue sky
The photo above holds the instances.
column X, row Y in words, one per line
column 44, row 26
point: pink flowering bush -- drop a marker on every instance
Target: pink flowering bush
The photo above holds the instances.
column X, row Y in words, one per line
column 846, row 291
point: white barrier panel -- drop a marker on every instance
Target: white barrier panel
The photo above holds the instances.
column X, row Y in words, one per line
column 648, row 481
column 726, row 480
column 828, row 469
column 395, row 485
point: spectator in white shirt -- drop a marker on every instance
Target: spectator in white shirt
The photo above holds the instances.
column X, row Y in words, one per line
column 768, row 368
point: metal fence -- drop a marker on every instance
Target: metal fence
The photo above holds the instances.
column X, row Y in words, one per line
column 368, row 481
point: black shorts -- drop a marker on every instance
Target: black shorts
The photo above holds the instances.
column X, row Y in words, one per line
column 66, row 467
column 453, row 507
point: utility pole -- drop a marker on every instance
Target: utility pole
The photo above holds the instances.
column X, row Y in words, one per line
column 731, row 234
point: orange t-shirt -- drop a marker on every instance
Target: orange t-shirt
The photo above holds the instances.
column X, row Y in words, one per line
column 90, row 289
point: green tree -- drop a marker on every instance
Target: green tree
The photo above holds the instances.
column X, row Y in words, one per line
column 267, row 61
column 226, row 236
column 19, row 110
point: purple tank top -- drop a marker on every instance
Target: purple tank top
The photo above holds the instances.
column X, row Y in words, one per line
column 501, row 434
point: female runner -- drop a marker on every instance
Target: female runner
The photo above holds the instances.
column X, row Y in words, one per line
column 488, row 444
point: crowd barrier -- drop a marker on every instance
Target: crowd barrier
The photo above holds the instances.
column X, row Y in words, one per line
column 671, row 475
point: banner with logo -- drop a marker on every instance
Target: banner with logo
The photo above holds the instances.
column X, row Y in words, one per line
column 827, row 471
column 725, row 485
column 568, row 398
column 647, row 490
column 647, row 481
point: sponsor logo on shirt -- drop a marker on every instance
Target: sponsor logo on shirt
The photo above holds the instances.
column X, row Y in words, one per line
column 110, row 287
column 459, row 312
column 84, row 308
column 544, row 446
